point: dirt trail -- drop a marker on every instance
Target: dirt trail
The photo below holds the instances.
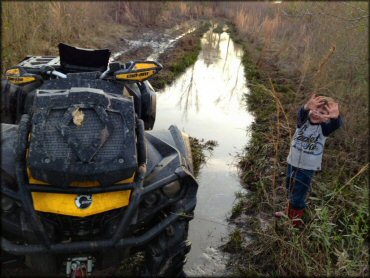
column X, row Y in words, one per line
column 140, row 43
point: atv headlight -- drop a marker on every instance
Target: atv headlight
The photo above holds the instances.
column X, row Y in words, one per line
column 13, row 72
column 19, row 76
column 171, row 189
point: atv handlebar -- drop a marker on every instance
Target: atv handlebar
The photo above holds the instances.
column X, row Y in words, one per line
column 56, row 73
column 51, row 71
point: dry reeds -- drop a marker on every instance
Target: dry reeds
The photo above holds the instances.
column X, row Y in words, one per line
column 30, row 27
column 292, row 41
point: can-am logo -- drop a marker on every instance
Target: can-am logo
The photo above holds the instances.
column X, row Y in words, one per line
column 83, row 201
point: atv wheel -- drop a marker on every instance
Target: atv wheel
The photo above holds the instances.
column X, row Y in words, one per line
column 166, row 255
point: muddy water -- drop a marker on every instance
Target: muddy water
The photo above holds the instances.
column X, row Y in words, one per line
column 207, row 102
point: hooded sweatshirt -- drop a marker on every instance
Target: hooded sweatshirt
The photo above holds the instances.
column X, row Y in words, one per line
column 308, row 142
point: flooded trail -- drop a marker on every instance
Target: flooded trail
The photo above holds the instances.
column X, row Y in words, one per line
column 206, row 102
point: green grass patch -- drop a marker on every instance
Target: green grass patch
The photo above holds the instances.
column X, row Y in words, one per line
column 187, row 60
column 237, row 209
column 201, row 150
column 182, row 58
column 235, row 241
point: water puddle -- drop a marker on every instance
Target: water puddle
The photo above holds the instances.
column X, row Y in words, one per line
column 207, row 102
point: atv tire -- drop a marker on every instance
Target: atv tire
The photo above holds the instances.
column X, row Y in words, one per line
column 165, row 256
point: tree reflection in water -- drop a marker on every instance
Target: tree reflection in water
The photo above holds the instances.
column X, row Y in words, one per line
column 206, row 103
column 186, row 95
column 215, row 82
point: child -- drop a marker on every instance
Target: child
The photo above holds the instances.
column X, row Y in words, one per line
column 318, row 118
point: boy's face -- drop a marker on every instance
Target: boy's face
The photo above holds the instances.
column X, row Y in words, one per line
column 318, row 116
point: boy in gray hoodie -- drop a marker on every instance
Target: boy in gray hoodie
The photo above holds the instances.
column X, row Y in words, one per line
column 318, row 118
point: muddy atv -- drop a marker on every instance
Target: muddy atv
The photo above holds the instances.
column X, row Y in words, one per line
column 85, row 181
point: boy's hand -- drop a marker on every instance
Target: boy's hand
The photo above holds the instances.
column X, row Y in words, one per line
column 314, row 102
column 333, row 110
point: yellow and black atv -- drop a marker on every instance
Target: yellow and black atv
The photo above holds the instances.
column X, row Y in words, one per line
column 85, row 181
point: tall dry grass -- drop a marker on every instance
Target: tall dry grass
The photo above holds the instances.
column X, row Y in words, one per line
column 321, row 46
column 37, row 27
column 302, row 47
column 31, row 27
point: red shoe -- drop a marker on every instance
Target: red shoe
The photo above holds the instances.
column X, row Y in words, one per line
column 296, row 216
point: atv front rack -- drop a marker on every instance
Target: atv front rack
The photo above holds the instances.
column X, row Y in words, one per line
column 117, row 240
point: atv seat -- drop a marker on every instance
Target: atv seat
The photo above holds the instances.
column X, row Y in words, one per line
column 74, row 59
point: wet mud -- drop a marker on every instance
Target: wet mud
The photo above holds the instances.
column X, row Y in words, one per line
column 149, row 43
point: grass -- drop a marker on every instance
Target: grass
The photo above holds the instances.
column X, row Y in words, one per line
column 177, row 64
column 201, row 150
column 235, row 241
column 30, row 27
column 237, row 209
column 334, row 240
column 187, row 60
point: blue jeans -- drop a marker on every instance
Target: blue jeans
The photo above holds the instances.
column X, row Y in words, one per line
column 298, row 183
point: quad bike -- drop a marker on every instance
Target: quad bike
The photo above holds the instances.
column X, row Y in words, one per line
column 85, row 181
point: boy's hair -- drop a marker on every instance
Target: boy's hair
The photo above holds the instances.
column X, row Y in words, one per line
column 327, row 100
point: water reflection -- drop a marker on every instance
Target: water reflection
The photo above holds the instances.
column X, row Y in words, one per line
column 211, row 47
column 206, row 102
column 217, row 74
column 188, row 94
